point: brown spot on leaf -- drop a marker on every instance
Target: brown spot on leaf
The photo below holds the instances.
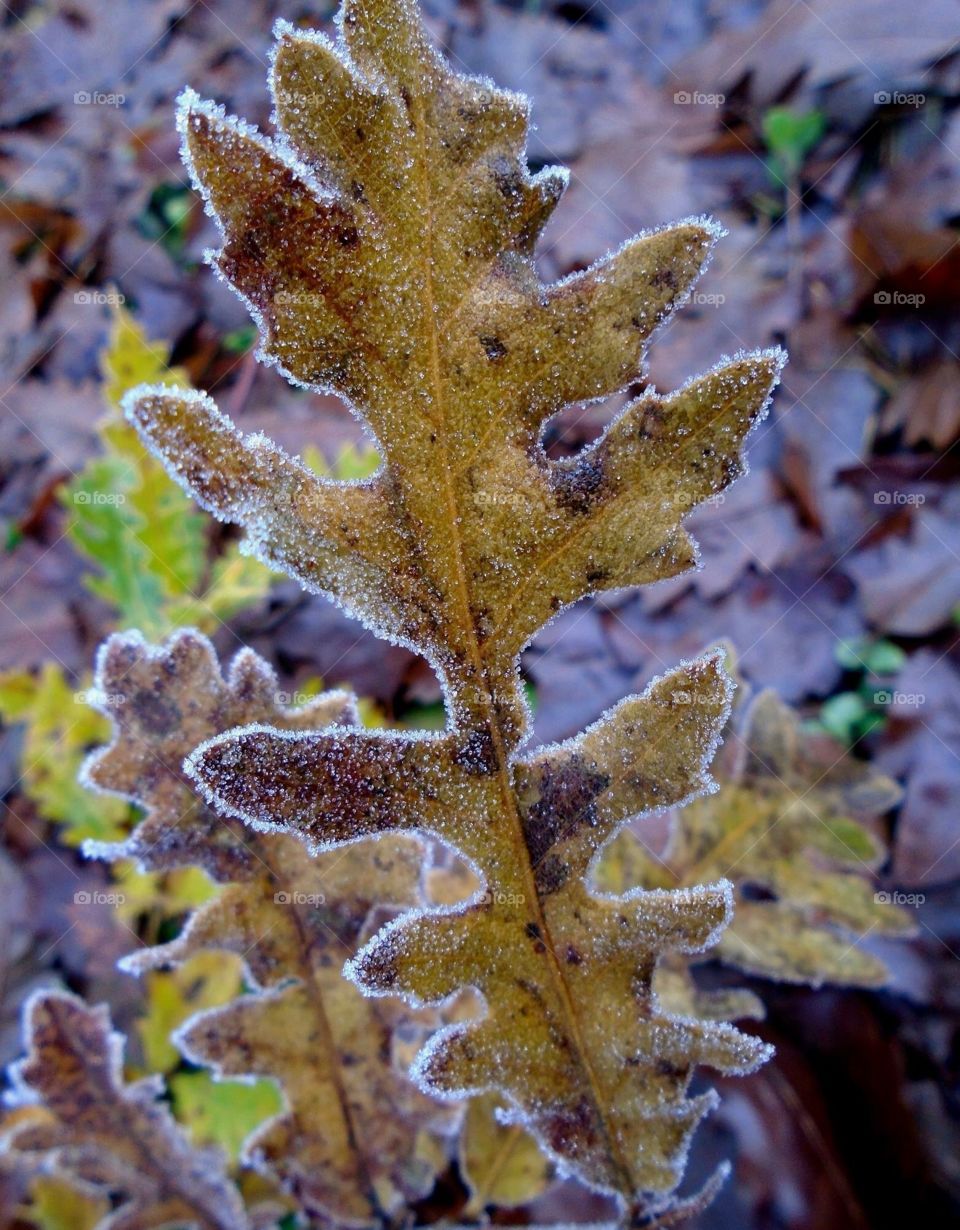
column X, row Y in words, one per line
column 493, row 348
column 475, row 753
column 664, row 279
column 157, row 714
column 580, row 487
column 566, row 803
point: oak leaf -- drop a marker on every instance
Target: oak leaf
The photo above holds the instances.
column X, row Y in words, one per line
column 793, row 825
column 384, row 242
column 345, row 1145
column 106, row 1137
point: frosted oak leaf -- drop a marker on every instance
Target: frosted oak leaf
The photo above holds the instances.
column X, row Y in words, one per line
column 383, row 239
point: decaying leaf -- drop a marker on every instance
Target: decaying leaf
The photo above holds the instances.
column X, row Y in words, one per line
column 383, row 240
column 106, row 1137
column 346, row 1143
column 790, row 827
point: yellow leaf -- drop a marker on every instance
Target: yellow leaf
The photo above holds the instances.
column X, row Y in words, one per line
column 223, row 1113
column 795, row 818
column 501, row 1163
column 60, row 728
column 56, row 1205
column 130, row 359
column 206, row 981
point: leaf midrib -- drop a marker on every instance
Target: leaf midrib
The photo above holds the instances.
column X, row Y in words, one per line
column 504, row 782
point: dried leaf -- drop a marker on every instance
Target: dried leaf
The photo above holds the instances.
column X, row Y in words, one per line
column 790, row 826
column 345, row 1144
column 107, row 1137
column 384, row 242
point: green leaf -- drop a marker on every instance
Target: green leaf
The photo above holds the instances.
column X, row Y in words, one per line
column 108, row 531
column 145, row 535
column 223, row 1112
column 353, row 462
column 239, row 341
column 790, row 136
column 842, row 715
column 874, row 657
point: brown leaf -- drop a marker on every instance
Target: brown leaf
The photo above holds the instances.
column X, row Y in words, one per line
column 105, row 1135
column 346, row 1145
column 384, row 240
